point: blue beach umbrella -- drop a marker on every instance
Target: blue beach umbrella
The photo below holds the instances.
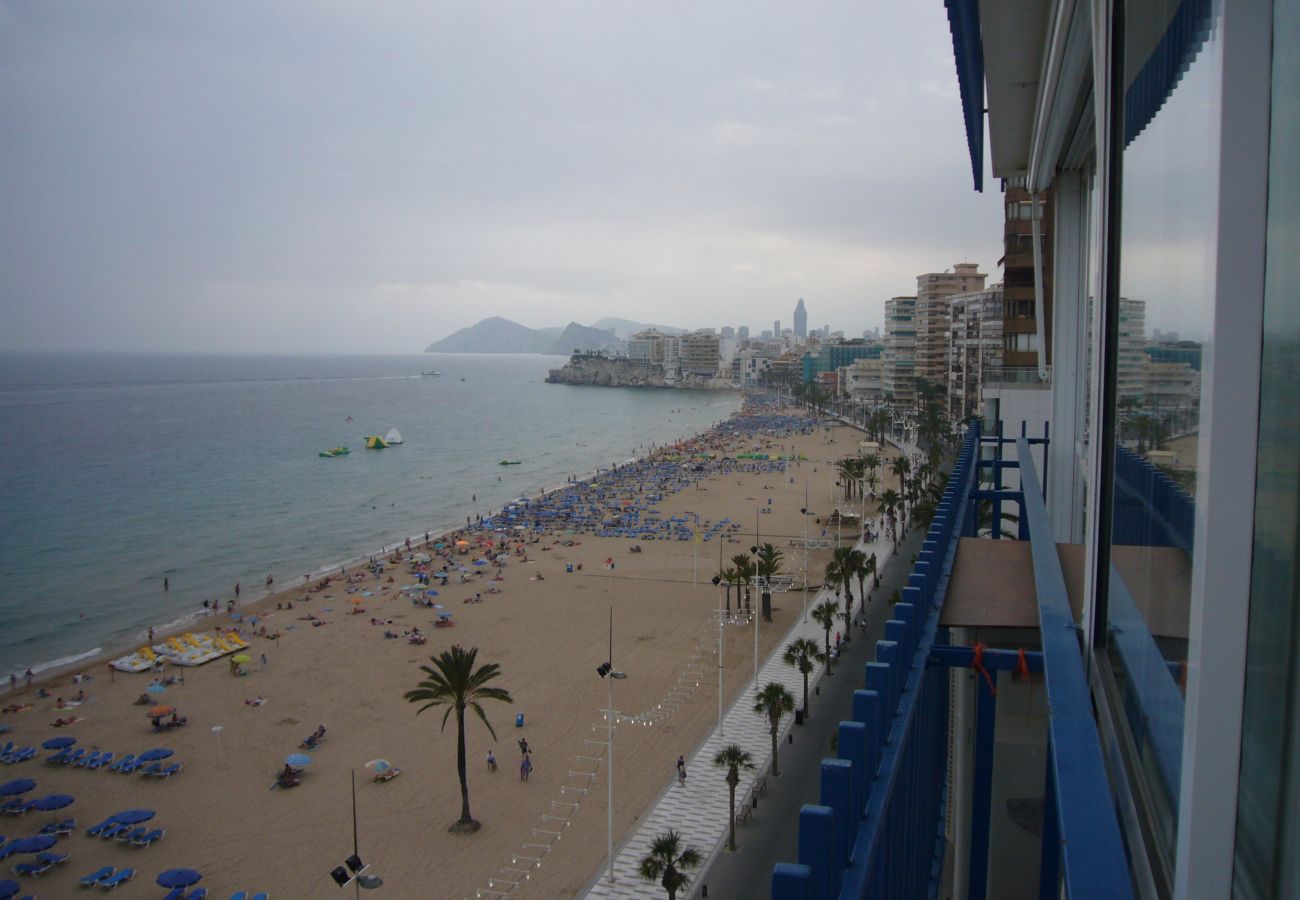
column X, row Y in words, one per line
column 297, row 760
column 37, row 844
column 9, row 889
column 480, row 562
column 52, row 802
column 156, row 689
column 156, row 754
column 134, row 816
column 58, row 743
column 174, row 878
column 430, row 593
column 15, row 787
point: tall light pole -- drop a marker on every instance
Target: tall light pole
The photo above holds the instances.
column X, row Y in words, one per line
column 604, row 669
column 722, row 729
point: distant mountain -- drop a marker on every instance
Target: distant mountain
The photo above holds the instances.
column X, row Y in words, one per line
column 580, row 337
column 625, row 328
column 497, row 335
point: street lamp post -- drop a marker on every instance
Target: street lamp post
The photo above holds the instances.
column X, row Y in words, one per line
column 607, row 669
column 722, row 728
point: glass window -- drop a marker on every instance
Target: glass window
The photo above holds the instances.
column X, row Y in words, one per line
column 1268, row 804
column 1166, row 260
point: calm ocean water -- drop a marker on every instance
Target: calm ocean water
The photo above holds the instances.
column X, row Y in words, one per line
column 120, row 470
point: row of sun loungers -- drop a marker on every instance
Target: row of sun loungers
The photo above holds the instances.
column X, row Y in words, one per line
column 127, row 765
column 10, row 754
column 107, row 878
column 179, row 894
column 135, row 836
column 44, row 862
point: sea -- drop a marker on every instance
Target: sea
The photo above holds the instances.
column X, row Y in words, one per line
column 120, row 471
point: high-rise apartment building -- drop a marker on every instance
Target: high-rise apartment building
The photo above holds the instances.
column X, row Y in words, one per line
column 899, row 378
column 742, row 332
column 1131, row 359
column 974, row 346
column 800, row 320
column 776, row 328
column 1024, row 334
column 934, row 291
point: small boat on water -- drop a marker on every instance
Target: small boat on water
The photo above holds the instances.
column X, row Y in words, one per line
column 335, row 451
column 393, row 437
column 432, row 374
column 510, row 462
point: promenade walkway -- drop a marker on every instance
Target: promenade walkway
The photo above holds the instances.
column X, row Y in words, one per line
column 698, row 810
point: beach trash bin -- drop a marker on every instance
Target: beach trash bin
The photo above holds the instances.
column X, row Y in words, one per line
column 568, row 567
column 519, row 720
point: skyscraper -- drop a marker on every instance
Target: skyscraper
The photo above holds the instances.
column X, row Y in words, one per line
column 800, row 320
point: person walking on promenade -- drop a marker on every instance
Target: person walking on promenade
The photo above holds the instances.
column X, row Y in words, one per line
column 681, row 770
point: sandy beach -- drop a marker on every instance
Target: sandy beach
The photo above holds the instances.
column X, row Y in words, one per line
column 221, row 814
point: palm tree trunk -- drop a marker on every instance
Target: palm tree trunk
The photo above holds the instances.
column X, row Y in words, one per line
column 828, row 652
column 731, row 819
column 848, row 614
column 767, row 605
column 776, row 770
column 465, row 817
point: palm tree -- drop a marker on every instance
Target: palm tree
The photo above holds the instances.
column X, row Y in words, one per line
column 733, row 758
column 453, row 682
column 729, row 578
column 900, row 467
column 889, row 502
column 866, row 568
column 744, row 575
column 775, row 702
column 824, row 614
column 768, row 565
column 853, row 564
column 804, row 654
column 666, row 860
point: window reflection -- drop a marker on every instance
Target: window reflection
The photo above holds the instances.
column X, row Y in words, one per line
column 1170, row 168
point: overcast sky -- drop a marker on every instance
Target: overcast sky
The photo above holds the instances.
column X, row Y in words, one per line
column 322, row 176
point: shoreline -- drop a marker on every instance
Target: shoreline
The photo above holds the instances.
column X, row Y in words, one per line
column 52, row 670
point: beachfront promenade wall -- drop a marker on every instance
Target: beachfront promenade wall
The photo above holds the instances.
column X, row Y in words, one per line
column 698, row 810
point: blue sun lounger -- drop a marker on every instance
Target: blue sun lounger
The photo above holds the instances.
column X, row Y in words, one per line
column 147, row 839
column 104, row 759
column 169, row 771
column 90, row 760
column 59, row 829
column 33, row 869
column 127, row 835
column 122, row 763
column 152, row 770
column 96, row 877
column 117, row 878
column 113, row 831
column 97, row 830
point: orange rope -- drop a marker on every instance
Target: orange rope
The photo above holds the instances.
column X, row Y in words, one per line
column 977, row 663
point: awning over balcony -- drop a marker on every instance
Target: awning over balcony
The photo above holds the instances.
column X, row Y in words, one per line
column 964, row 22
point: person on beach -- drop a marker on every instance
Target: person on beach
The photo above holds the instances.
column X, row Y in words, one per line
column 525, row 769
column 523, row 747
column 166, row 584
column 681, row 770
column 269, row 580
column 236, row 588
column 491, row 761
column 29, row 676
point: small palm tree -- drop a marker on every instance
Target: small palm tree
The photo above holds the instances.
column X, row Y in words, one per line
column 733, row 758
column 768, row 562
column 666, row 861
column 775, row 702
column 745, row 571
column 453, row 682
column 804, row 654
column 824, row 614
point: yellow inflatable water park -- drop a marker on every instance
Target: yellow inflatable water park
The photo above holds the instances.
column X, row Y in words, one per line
column 182, row 650
column 335, row 451
column 375, row 442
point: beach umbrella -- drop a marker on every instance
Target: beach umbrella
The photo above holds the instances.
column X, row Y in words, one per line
column 156, row 689
column 52, row 802
column 297, row 760
column 174, row 878
column 156, row 754
column 241, row 658
column 156, row 711
column 38, row 844
column 430, row 593
column 134, row 816
column 378, row 765
column 15, row 787
column 58, row 743
column 9, row 889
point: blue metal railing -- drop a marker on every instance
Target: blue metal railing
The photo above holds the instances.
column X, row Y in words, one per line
column 878, row 831
column 1151, row 509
